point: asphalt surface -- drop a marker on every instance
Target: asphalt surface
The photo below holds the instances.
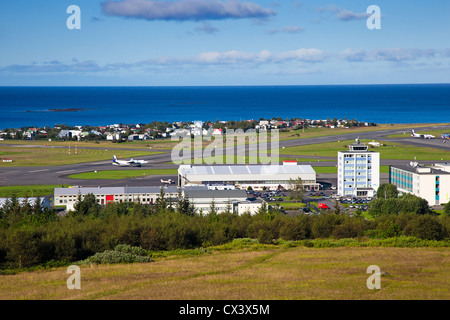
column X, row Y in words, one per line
column 58, row 175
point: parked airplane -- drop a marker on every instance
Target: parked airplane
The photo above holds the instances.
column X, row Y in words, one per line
column 170, row 181
column 422, row 136
column 139, row 162
column 121, row 162
column 130, row 162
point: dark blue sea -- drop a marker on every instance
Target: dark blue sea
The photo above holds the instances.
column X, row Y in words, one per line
column 41, row 106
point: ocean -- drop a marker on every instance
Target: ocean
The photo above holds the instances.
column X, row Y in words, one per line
column 97, row 106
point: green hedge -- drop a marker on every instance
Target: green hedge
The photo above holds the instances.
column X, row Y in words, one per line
column 77, row 238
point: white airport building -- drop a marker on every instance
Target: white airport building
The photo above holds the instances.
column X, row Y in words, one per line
column 257, row 177
column 358, row 171
column 200, row 196
column 104, row 195
column 431, row 183
column 44, row 202
column 234, row 200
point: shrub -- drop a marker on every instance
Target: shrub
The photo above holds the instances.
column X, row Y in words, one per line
column 27, row 248
column 122, row 253
column 297, row 228
column 425, row 227
column 125, row 248
column 111, row 257
column 324, row 224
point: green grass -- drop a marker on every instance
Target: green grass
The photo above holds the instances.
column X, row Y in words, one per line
column 319, row 269
column 122, row 174
column 29, row 156
column 407, row 134
column 396, row 151
column 30, row 191
column 291, row 205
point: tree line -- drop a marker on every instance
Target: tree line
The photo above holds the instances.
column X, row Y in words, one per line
column 33, row 237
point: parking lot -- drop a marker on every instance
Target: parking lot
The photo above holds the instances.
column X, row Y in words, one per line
column 315, row 202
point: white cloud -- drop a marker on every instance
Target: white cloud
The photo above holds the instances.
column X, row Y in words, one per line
column 183, row 10
column 343, row 14
column 289, row 29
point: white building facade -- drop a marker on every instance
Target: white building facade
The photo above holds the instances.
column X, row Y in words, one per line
column 430, row 183
column 358, row 171
column 257, row 177
column 236, row 201
column 68, row 197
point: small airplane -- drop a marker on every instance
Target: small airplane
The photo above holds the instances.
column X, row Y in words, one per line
column 170, row 181
column 422, row 136
column 121, row 162
column 139, row 162
column 130, row 162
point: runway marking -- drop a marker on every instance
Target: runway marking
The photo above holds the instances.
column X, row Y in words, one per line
column 38, row 171
column 66, row 171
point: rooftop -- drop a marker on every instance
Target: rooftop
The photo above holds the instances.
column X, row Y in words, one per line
column 216, row 194
column 246, row 169
column 113, row 190
column 420, row 169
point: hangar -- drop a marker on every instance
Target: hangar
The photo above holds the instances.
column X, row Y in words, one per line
column 258, row 177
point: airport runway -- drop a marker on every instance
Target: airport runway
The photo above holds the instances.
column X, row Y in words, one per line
column 58, row 175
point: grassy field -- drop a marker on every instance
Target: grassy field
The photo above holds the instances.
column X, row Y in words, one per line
column 321, row 132
column 30, row 191
column 31, row 156
column 149, row 144
column 125, row 174
column 407, row 134
column 396, row 151
column 266, row 273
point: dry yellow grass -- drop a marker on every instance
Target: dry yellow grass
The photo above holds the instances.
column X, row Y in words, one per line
column 276, row 274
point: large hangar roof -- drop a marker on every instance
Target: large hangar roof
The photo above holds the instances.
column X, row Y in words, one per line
column 232, row 170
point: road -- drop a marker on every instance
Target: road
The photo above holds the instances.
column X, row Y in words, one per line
column 58, row 175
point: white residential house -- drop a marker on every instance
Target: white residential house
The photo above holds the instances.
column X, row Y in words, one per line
column 115, row 136
column 69, row 134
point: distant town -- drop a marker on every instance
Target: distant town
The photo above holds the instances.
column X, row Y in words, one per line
column 161, row 130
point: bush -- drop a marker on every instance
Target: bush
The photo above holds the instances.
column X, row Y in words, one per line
column 111, row 257
column 125, row 248
column 121, row 254
column 324, row 224
column 425, row 227
column 297, row 228
column 27, row 248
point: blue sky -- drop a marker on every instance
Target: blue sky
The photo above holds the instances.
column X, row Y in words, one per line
column 223, row 42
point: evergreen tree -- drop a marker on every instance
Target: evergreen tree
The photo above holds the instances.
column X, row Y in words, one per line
column 387, row 191
column 296, row 189
column 87, row 206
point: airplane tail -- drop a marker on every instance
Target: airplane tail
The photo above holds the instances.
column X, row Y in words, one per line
column 114, row 158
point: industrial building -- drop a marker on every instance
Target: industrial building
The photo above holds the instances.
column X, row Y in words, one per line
column 200, row 196
column 104, row 195
column 44, row 202
column 431, row 183
column 258, row 177
column 235, row 201
column 358, row 171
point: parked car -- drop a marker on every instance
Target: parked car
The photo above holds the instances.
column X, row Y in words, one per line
column 323, row 206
